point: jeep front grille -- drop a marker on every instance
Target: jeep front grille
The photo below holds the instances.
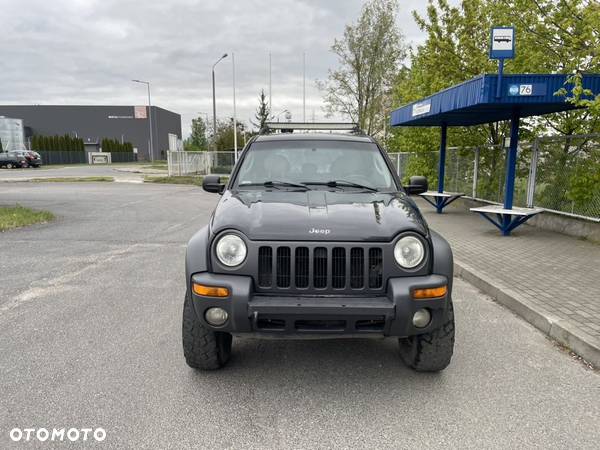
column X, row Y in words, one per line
column 265, row 266
column 281, row 267
column 302, row 267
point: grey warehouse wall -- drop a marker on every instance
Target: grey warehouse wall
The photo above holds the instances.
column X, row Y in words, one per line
column 97, row 122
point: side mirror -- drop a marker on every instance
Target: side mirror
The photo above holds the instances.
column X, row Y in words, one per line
column 212, row 183
column 417, row 185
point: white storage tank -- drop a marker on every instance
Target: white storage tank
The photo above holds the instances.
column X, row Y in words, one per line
column 12, row 134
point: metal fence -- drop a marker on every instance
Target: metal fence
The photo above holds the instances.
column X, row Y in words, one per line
column 200, row 163
column 560, row 174
column 557, row 173
column 63, row 157
column 79, row 157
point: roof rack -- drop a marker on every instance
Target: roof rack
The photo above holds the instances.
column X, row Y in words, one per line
column 289, row 127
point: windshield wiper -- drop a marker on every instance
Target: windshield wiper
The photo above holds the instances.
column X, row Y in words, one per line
column 276, row 183
column 342, row 183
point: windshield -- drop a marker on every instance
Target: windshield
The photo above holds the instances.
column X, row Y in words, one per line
column 315, row 163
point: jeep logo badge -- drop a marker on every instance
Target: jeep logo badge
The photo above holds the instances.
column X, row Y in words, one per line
column 319, row 231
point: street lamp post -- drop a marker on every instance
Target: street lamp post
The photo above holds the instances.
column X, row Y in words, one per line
column 147, row 83
column 214, row 101
column 304, row 87
column 235, row 151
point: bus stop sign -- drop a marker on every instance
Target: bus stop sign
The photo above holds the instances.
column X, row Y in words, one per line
column 502, row 45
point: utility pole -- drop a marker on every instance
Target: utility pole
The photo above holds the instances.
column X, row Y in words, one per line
column 151, row 147
column 304, row 87
column 270, row 104
column 235, row 153
column 214, row 101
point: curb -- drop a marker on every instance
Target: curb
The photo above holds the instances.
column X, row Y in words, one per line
column 554, row 327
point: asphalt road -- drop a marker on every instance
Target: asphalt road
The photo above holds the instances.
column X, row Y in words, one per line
column 90, row 314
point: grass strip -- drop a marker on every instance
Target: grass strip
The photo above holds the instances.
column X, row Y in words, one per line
column 196, row 180
column 18, row 216
column 71, row 179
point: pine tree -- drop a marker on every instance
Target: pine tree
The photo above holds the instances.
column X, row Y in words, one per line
column 263, row 112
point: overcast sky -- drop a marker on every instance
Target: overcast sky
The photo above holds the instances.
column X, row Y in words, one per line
column 87, row 51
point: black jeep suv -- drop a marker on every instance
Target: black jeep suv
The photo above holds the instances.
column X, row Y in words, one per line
column 314, row 236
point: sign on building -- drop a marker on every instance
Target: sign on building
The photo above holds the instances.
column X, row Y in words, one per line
column 139, row 112
column 421, row 108
column 99, row 158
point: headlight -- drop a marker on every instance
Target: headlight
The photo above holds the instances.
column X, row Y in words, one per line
column 231, row 250
column 409, row 252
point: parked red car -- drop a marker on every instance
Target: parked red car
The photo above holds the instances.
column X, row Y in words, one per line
column 33, row 158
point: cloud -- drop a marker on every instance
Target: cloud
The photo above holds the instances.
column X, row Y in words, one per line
column 86, row 51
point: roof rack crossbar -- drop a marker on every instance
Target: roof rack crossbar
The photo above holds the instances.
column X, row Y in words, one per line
column 338, row 126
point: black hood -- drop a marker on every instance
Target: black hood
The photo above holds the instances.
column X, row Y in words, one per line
column 317, row 215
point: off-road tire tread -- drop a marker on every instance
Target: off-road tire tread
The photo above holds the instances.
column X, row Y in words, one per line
column 203, row 348
column 430, row 352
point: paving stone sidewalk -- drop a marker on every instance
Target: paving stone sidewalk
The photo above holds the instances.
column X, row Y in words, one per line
column 550, row 279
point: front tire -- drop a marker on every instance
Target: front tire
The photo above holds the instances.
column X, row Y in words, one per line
column 9, row 166
column 430, row 352
column 203, row 348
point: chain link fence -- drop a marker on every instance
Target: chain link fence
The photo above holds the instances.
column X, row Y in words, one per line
column 567, row 175
column 559, row 173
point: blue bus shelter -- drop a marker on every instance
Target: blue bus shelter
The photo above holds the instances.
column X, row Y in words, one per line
column 485, row 99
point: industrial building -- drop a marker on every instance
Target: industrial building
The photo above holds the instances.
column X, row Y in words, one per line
column 94, row 123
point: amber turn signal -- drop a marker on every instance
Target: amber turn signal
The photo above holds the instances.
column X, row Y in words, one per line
column 437, row 292
column 210, row 291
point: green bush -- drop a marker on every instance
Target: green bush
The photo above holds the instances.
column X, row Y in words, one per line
column 114, row 146
column 57, row 143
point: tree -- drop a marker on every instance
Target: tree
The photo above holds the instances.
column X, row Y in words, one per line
column 198, row 140
column 551, row 37
column 224, row 137
column 263, row 112
column 369, row 54
column 455, row 50
column 560, row 37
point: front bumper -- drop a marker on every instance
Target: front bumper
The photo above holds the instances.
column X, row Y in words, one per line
column 312, row 316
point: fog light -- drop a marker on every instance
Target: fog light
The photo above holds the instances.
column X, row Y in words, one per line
column 216, row 316
column 421, row 318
